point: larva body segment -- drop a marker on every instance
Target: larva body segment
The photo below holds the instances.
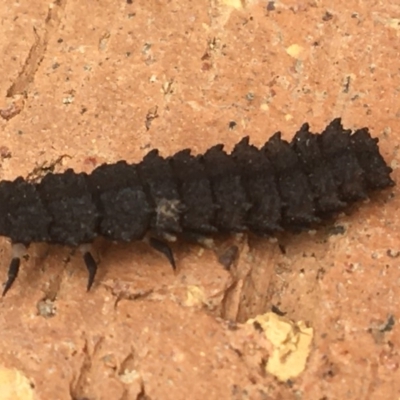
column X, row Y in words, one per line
column 195, row 190
column 69, row 203
column 23, row 216
column 343, row 162
column 317, row 167
column 160, row 185
column 376, row 175
column 229, row 195
column 259, row 181
column 120, row 199
column 297, row 197
column 279, row 186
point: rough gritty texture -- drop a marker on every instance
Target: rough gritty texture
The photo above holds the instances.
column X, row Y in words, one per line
column 108, row 80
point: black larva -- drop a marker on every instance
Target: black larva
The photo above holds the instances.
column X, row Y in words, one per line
column 280, row 186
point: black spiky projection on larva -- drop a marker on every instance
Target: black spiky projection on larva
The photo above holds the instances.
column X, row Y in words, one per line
column 282, row 186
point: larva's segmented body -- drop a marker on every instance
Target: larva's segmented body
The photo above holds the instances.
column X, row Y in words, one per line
column 282, row 186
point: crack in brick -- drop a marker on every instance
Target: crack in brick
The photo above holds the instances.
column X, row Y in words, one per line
column 38, row 50
column 79, row 386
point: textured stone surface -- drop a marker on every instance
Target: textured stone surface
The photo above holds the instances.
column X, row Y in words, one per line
column 103, row 81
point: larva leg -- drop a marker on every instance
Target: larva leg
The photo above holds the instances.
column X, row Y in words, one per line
column 163, row 248
column 13, row 270
column 18, row 250
column 90, row 263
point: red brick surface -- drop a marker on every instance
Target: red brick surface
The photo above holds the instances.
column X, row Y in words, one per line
column 108, row 80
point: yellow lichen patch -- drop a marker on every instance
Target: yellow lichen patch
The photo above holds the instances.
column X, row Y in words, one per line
column 291, row 343
column 394, row 23
column 296, row 51
column 234, row 3
column 14, row 385
column 195, row 296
